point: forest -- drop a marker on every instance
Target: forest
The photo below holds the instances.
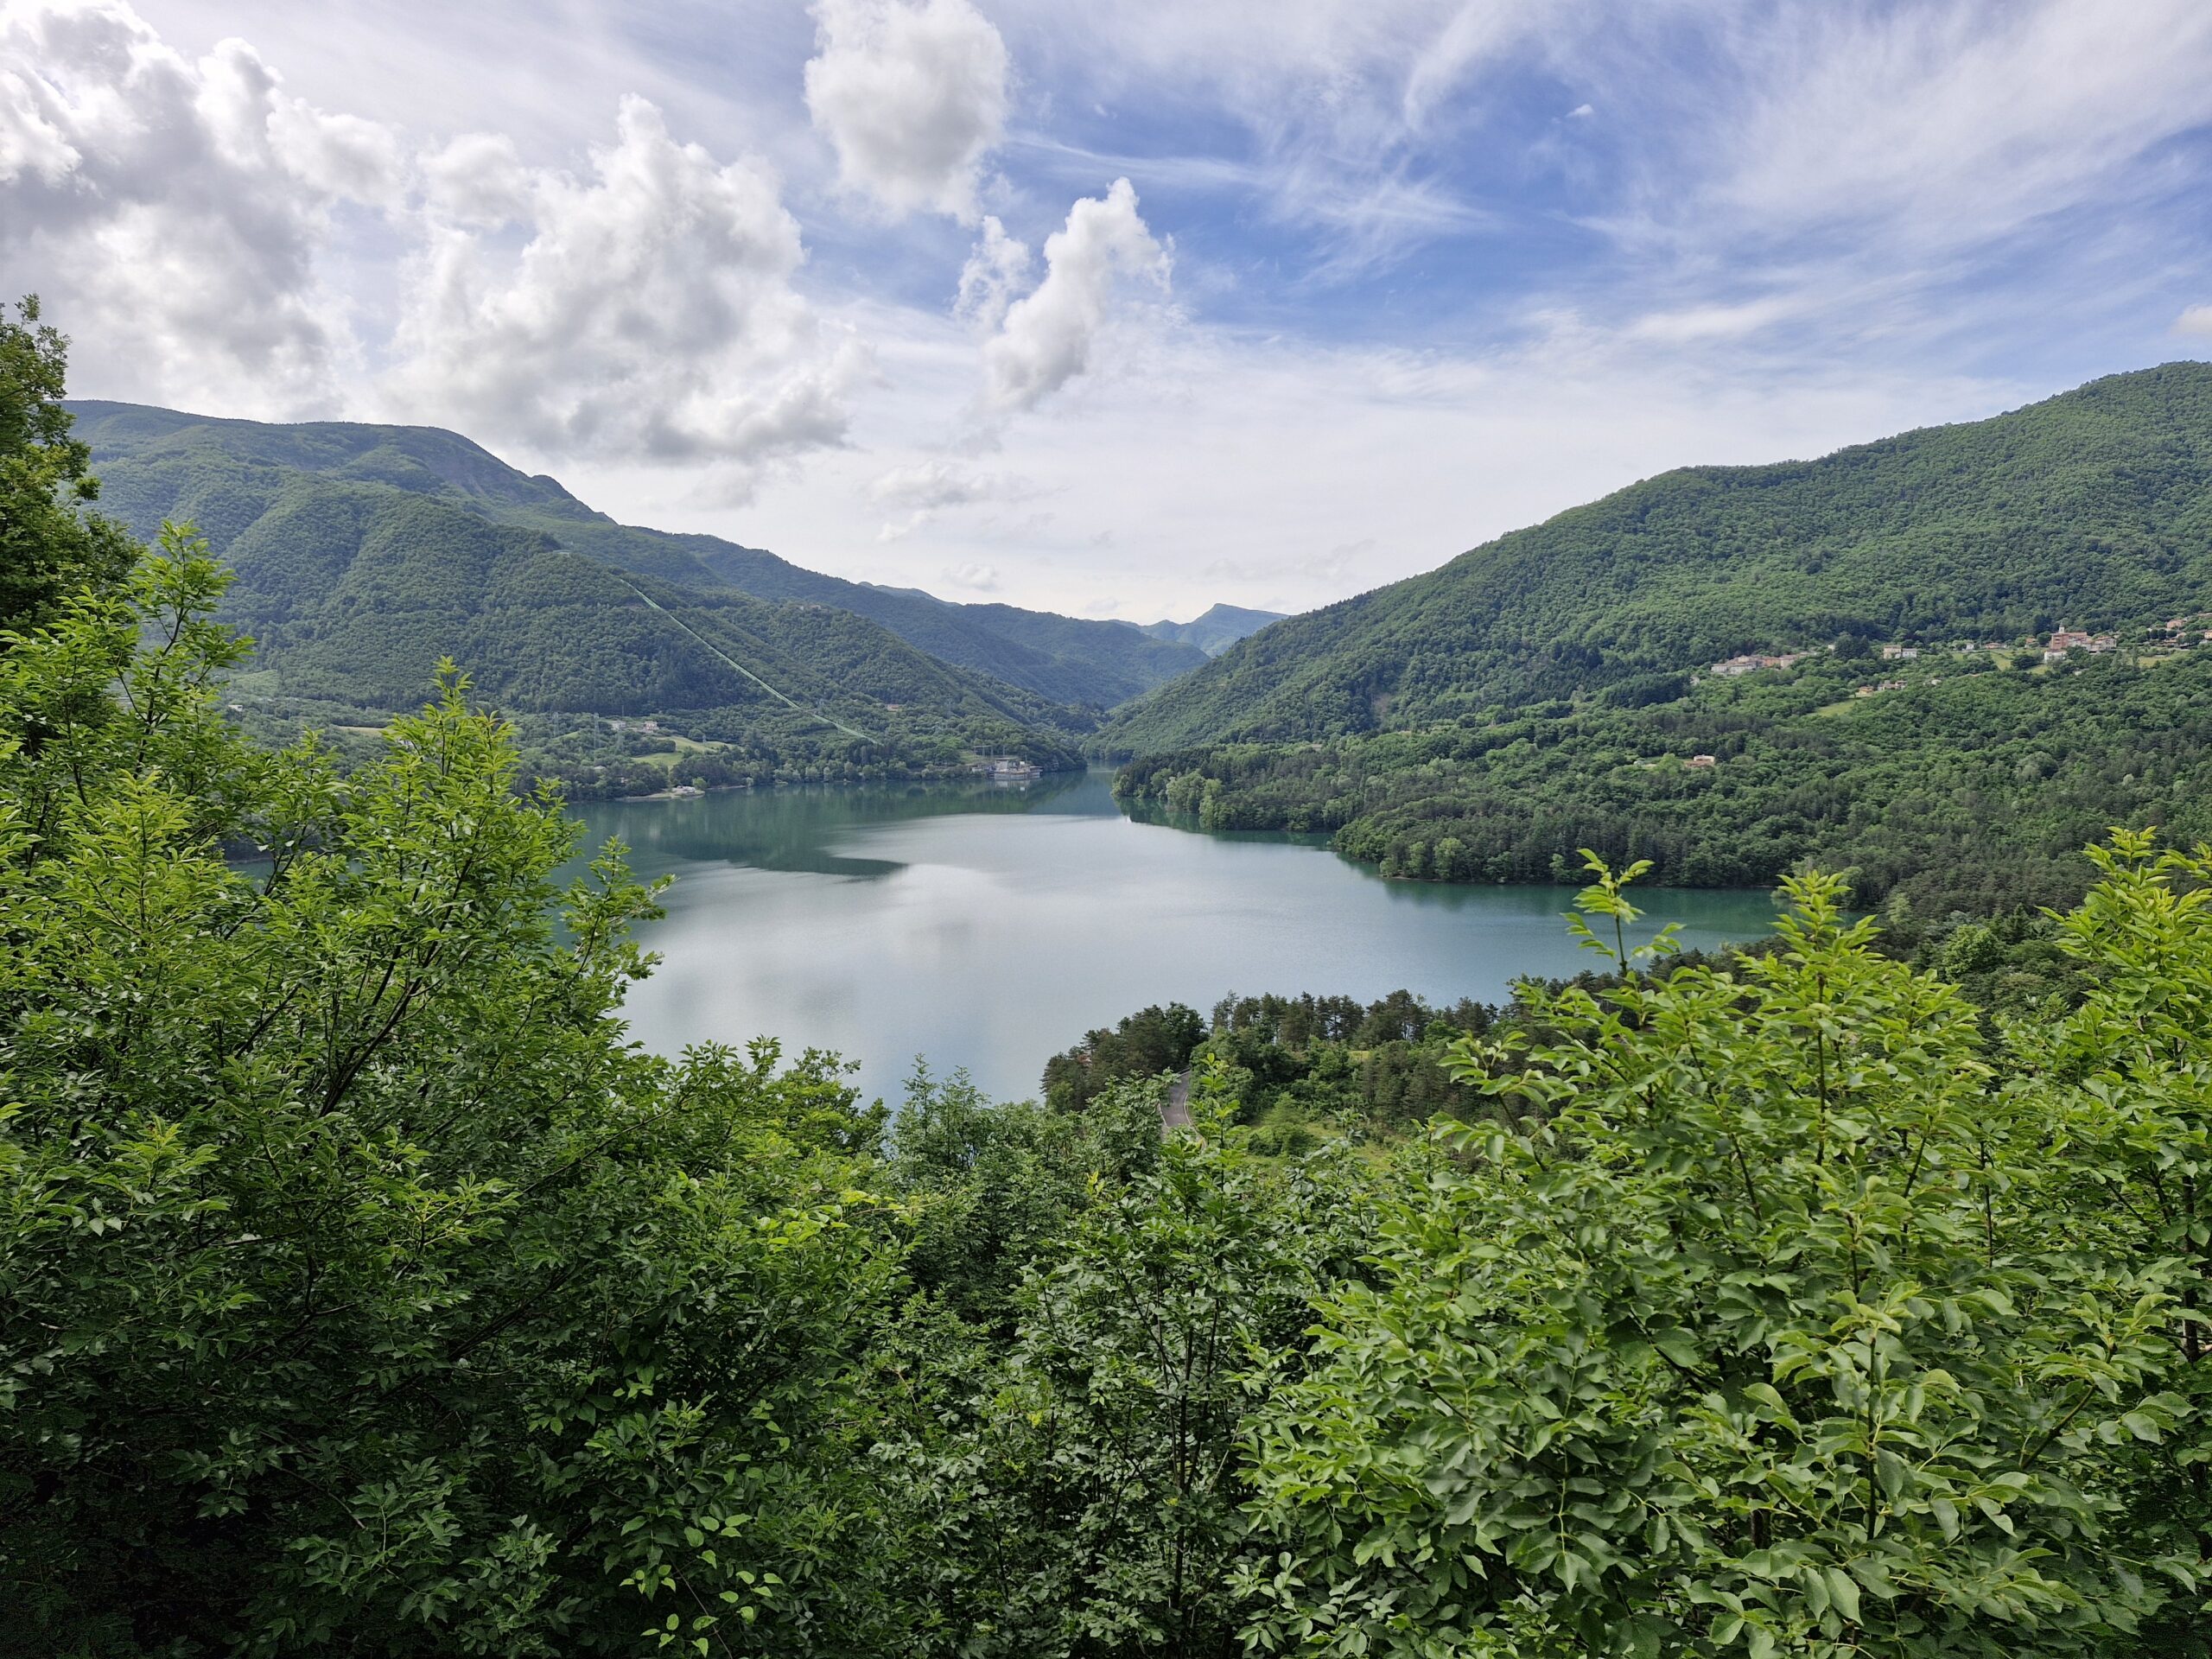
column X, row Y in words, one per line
column 362, row 555
column 1962, row 786
column 310, row 515
column 2092, row 509
column 363, row 1289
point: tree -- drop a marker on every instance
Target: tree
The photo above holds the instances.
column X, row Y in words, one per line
column 49, row 546
column 359, row 1284
column 1143, row 1044
column 1756, row 1326
column 2131, row 1062
column 1087, row 1501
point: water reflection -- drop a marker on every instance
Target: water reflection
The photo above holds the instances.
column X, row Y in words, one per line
column 796, row 829
column 989, row 926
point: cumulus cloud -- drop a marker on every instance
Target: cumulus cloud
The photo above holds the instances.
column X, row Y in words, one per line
column 650, row 314
column 477, row 179
column 912, row 95
column 2197, row 320
column 975, row 575
column 171, row 212
column 997, row 268
column 1046, row 337
column 185, row 221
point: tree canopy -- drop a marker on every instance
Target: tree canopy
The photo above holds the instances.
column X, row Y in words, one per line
column 366, row 1290
column 48, row 545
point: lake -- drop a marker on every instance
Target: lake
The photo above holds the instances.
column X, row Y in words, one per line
column 990, row 926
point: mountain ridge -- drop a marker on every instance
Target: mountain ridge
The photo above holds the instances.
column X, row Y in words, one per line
column 2093, row 506
column 355, row 588
column 1069, row 660
column 1217, row 628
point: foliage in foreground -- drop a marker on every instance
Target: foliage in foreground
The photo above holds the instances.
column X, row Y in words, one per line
column 363, row 1291
column 49, row 546
column 361, row 1286
column 1775, row 1312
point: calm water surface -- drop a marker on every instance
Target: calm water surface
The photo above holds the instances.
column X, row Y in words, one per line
column 989, row 927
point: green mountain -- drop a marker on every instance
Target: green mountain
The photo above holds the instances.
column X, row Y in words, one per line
column 1219, row 628
column 2092, row 509
column 354, row 586
column 222, row 473
column 1094, row 664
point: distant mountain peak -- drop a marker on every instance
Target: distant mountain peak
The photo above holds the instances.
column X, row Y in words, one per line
column 1214, row 631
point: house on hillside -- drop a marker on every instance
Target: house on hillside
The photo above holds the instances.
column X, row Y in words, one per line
column 1899, row 653
column 1751, row 662
column 2070, row 639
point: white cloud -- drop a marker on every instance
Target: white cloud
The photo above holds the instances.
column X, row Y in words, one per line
column 923, row 489
column 650, row 314
column 1691, row 324
column 1283, row 473
column 171, row 212
column 928, row 484
column 477, row 179
column 975, row 575
column 998, row 266
column 912, row 95
column 2197, row 320
column 1954, row 122
column 1348, row 105
column 1046, row 337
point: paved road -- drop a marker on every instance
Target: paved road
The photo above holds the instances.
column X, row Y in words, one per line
column 1175, row 1110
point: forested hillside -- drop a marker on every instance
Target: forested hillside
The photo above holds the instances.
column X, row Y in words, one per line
column 358, row 573
column 223, row 475
column 2092, row 509
column 356, row 591
column 365, row 1289
column 1215, row 629
column 1954, row 782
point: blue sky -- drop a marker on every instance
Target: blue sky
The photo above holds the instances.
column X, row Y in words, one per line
column 1118, row 308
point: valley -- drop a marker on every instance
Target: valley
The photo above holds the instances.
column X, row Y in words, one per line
column 981, row 927
column 1549, row 997
column 363, row 556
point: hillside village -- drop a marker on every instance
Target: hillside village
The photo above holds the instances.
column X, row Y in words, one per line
column 2061, row 644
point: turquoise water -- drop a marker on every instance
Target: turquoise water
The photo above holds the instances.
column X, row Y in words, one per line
column 990, row 926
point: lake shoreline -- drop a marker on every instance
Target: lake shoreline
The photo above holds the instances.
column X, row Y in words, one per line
column 990, row 926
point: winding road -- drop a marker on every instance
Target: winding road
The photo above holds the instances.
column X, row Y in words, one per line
column 1175, row 1109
